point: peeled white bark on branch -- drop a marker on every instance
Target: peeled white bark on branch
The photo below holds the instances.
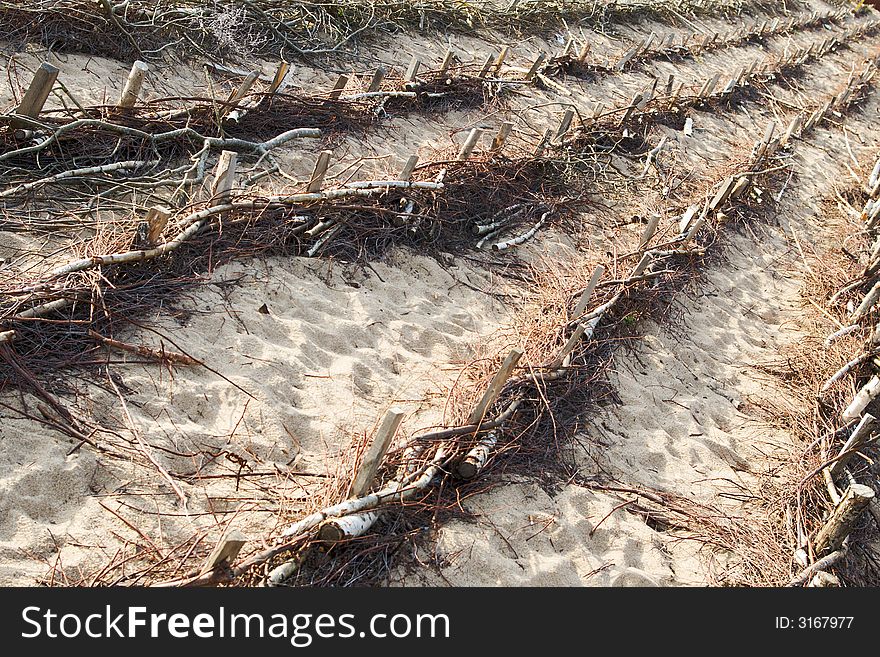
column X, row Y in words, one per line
column 197, row 220
column 863, row 397
column 843, row 371
column 520, row 239
column 476, row 459
column 830, row 538
column 347, row 527
column 393, row 492
column 380, row 94
column 177, row 133
column 78, row 173
column 858, row 438
column 867, row 303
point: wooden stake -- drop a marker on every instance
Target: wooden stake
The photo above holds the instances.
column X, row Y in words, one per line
column 543, row 142
column 648, row 41
column 224, row 552
column 722, row 194
column 567, row 48
column 536, row 66
column 157, row 219
column 843, row 519
column 447, row 62
column 634, row 103
column 224, row 177
column 280, row 74
column 650, row 229
column 568, row 347
column 408, row 168
column 376, row 80
column 582, row 57
column 133, row 84
column 495, row 386
column 565, row 123
column 792, row 128
column 37, row 93
column 585, row 297
column 709, row 86
column 642, row 265
column 320, row 171
column 500, row 60
column 741, row 183
column 244, row 88
column 363, row 479
column 501, row 137
column 469, row 144
column 412, row 70
column 338, row 87
column 486, row 66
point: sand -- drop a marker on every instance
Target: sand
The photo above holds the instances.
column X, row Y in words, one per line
column 307, row 354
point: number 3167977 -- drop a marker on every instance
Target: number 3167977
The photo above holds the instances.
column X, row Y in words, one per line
column 814, row 622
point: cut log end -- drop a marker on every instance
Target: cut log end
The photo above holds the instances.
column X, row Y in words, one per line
column 467, row 469
column 330, row 533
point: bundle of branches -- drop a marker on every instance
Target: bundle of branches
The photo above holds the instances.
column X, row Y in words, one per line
column 118, row 279
column 569, row 63
column 841, row 428
column 139, row 29
column 445, row 93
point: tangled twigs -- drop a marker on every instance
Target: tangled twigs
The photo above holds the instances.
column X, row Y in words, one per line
column 241, row 30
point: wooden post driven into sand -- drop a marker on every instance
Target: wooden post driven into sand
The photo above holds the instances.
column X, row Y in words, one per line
column 649, row 231
column 157, row 219
column 319, row 172
column 133, row 84
column 238, row 95
column 499, row 61
column 843, row 519
column 543, row 142
column 536, row 66
column 447, row 62
column 280, row 74
column 585, row 297
column 501, row 137
column 469, row 144
column 38, row 91
column 376, row 80
column 407, row 171
column 723, row 193
column 224, row 552
column 341, row 81
column 244, row 88
column 582, row 57
column 412, row 70
column 564, row 124
column 495, row 386
column 363, row 478
column 224, row 177
column 490, row 59
column 633, row 104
